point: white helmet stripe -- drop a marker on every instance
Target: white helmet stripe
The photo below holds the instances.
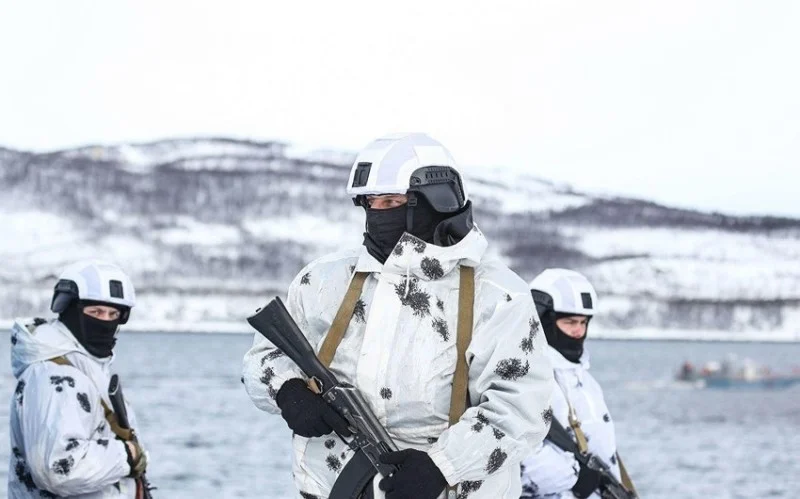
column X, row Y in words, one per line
column 566, row 294
column 91, row 281
column 392, row 162
column 431, row 155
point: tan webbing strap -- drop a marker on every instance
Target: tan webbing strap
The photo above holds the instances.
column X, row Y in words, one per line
column 583, row 444
column 574, row 423
column 342, row 319
column 458, row 395
column 61, row 361
column 626, row 478
column 109, row 414
column 580, row 438
column 466, row 303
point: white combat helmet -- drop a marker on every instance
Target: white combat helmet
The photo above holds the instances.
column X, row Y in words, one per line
column 564, row 291
column 94, row 280
column 408, row 163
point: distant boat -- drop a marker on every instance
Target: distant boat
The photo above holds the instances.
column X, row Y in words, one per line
column 732, row 373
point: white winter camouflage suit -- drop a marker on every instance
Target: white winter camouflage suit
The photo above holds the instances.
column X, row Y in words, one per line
column 551, row 472
column 400, row 351
column 61, row 444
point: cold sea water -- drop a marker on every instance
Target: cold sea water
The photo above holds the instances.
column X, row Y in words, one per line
column 207, row 440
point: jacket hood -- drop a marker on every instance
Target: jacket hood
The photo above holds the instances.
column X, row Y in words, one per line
column 36, row 341
column 414, row 257
column 560, row 362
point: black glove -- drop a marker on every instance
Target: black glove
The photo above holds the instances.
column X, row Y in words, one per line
column 306, row 413
column 588, row 482
column 417, row 478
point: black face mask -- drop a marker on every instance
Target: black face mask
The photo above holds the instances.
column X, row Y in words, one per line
column 384, row 229
column 97, row 336
column 571, row 348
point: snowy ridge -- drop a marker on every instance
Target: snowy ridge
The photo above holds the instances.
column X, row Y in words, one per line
column 146, row 156
column 211, row 228
column 522, row 193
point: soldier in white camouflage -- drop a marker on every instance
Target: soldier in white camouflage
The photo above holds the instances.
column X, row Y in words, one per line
column 399, row 349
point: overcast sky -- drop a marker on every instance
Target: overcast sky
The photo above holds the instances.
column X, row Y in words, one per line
column 688, row 103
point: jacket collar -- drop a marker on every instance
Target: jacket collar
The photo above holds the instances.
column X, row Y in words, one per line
column 32, row 343
column 414, row 257
column 560, row 362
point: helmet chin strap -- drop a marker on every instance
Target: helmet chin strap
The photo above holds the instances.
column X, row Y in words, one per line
column 411, row 204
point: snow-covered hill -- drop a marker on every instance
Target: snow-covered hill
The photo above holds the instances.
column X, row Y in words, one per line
column 210, row 228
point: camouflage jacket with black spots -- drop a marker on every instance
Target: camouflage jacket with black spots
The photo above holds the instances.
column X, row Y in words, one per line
column 400, row 351
column 61, row 443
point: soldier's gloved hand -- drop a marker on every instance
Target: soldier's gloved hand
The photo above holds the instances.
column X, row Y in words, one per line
column 137, row 458
column 417, row 478
column 306, row 413
column 588, row 482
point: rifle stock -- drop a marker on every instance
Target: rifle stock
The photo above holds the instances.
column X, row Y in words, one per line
column 275, row 323
column 118, row 402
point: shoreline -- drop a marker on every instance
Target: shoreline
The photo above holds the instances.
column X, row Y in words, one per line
column 635, row 334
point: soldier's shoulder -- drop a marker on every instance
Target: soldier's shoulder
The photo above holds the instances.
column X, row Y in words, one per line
column 495, row 277
column 338, row 265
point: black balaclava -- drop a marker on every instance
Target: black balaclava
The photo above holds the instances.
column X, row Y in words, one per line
column 97, row 336
column 571, row 348
column 386, row 227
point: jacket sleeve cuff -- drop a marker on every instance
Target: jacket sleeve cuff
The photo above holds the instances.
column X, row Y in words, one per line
column 445, row 466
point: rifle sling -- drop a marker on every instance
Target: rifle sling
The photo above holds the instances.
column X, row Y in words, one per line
column 123, row 433
column 466, row 305
column 458, row 394
column 626, row 478
column 575, row 424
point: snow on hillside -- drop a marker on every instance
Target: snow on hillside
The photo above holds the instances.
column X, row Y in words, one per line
column 308, row 229
column 142, row 158
column 519, row 193
column 211, row 228
column 694, row 264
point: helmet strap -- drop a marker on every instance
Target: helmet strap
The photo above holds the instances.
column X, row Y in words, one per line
column 411, row 204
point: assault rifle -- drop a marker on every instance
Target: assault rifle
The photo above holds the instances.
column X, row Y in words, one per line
column 370, row 439
column 610, row 487
column 121, row 413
